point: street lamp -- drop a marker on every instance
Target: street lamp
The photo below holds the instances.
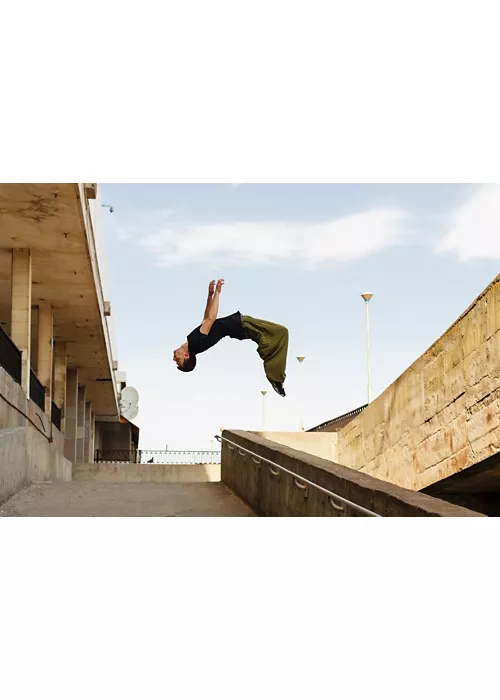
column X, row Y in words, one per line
column 301, row 359
column 263, row 392
column 367, row 296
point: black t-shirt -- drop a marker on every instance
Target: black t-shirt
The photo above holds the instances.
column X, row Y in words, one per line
column 230, row 326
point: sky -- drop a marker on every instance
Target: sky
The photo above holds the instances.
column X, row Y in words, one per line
column 299, row 255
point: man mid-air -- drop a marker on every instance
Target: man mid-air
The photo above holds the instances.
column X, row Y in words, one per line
column 271, row 339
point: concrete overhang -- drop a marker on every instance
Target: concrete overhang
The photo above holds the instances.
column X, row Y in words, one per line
column 54, row 222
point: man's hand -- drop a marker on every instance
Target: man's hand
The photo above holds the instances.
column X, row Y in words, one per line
column 219, row 286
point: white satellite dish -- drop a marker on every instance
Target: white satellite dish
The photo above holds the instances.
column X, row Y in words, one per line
column 130, row 413
column 129, row 401
column 130, row 395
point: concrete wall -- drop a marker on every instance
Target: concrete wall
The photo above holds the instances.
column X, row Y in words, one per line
column 318, row 444
column 27, row 454
column 443, row 414
column 13, row 402
column 272, row 495
column 26, row 457
column 138, row 473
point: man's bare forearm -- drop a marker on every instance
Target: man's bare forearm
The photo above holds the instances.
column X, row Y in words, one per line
column 211, row 289
column 213, row 306
column 209, row 304
column 213, row 302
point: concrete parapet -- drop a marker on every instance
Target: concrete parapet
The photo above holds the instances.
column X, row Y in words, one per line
column 119, row 473
column 277, row 494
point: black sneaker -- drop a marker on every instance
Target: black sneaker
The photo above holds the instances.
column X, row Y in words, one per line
column 278, row 388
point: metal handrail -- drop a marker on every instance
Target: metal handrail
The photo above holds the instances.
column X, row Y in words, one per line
column 330, row 494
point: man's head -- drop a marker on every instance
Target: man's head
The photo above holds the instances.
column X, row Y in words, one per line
column 184, row 361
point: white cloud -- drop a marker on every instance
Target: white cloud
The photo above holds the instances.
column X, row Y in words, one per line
column 342, row 240
column 474, row 228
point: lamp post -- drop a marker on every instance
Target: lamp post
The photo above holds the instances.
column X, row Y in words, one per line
column 301, row 359
column 367, row 296
column 263, row 392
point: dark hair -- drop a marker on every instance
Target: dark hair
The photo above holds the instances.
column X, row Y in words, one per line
column 188, row 365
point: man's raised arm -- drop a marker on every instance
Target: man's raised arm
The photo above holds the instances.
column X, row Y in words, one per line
column 212, row 308
column 211, row 289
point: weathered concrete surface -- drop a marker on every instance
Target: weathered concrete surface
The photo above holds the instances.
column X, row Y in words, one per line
column 443, row 414
column 87, row 499
column 27, row 456
column 319, row 444
column 278, row 494
column 139, row 473
column 27, row 453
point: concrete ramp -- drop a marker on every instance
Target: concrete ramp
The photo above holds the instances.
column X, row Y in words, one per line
column 88, row 499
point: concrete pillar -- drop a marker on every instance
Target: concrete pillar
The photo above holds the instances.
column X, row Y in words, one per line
column 60, row 369
column 45, row 350
column 92, row 443
column 71, row 415
column 80, row 431
column 20, row 330
column 34, row 339
column 86, row 444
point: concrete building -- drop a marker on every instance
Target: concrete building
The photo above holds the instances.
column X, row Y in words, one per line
column 58, row 376
column 119, row 441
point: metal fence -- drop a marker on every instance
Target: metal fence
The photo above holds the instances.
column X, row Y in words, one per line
column 56, row 416
column 10, row 356
column 37, row 391
column 157, row 456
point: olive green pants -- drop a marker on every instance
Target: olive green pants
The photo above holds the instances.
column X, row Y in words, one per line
column 272, row 345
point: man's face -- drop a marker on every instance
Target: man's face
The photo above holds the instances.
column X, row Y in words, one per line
column 179, row 356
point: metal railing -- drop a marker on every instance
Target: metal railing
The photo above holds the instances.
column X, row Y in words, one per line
column 37, row 391
column 10, row 356
column 157, row 456
column 56, row 416
column 339, row 419
column 337, row 502
column 116, row 456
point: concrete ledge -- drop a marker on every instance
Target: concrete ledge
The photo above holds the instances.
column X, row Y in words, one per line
column 139, row 473
column 271, row 495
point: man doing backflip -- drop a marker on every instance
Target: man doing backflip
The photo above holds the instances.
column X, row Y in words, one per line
column 271, row 339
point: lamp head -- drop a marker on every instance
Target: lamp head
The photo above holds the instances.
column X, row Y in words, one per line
column 367, row 296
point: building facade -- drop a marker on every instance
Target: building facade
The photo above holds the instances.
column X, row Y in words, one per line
column 58, row 376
